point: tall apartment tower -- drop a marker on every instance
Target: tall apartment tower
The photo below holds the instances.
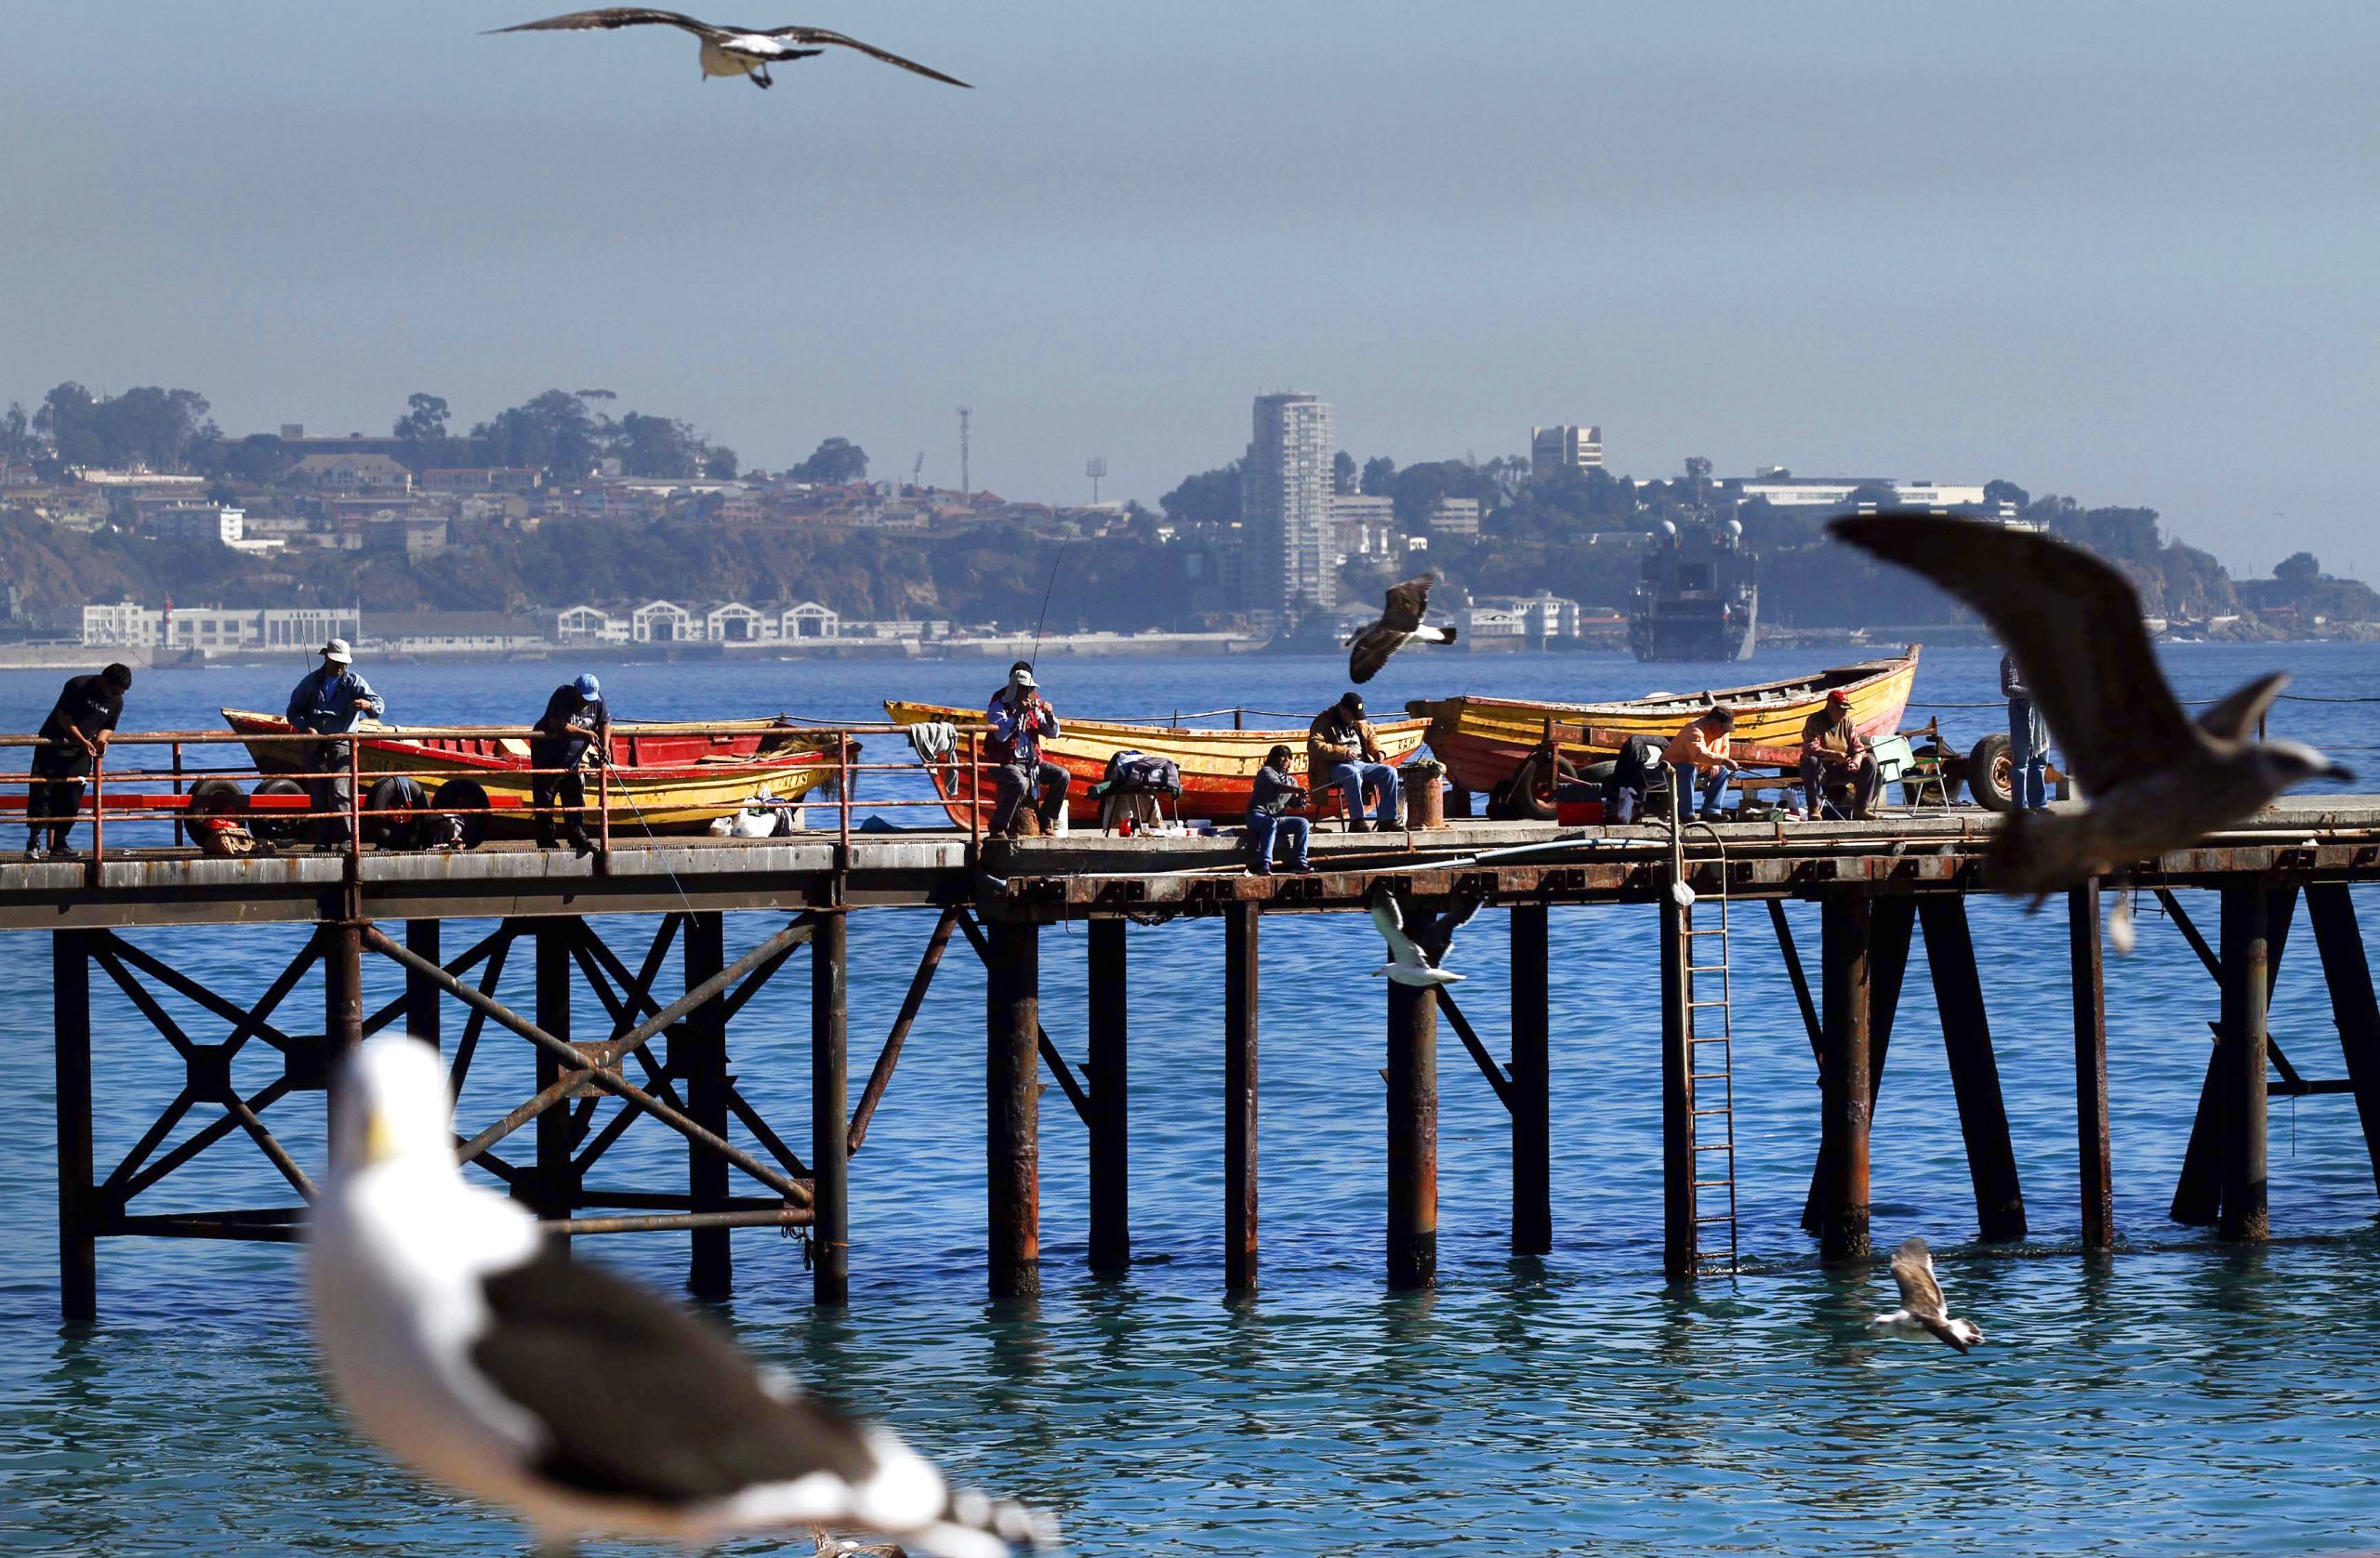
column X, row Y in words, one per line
column 1285, row 499
column 1552, row 448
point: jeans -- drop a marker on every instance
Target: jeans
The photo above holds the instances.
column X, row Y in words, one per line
column 1715, row 785
column 1353, row 779
column 568, row 789
column 1862, row 776
column 1265, row 827
column 326, row 786
column 1048, row 780
column 2029, row 750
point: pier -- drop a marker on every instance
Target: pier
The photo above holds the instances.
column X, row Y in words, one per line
column 650, row 1039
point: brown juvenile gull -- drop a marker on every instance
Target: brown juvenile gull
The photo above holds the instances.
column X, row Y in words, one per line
column 479, row 1354
column 747, row 51
column 2152, row 780
column 1921, row 1308
column 1400, row 625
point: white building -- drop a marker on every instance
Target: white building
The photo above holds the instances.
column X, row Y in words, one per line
column 809, row 620
column 1366, row 526
column 454, row 633
column 738, row 623
column 128, row 624
column 661, row 622
column 1552, row 449
column 1285, row 499
column 581, row 624
column 1455, row 519
column 1780, row 488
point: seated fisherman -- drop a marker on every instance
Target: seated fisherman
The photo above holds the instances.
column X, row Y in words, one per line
column 1837, row 759
column 1632, row 774
column 1269, row 815
column 1343, row 753
column 1702, row 747
column 1021, row 719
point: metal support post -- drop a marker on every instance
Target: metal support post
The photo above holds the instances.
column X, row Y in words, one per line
column 550, row 1187
column 1846, row 922
column 830, row 1092
column 1111, row 1214
column 2242, row 1057
column 1412, row 1135
column 421, row 996
column 1013, row 1135
column 1975, row 1074
column 69, row 964
column 1679, row 1245
column 2353, row 1006
column 2094, row 1157
column 1241, row 994
column 1532, row 1083
column 698, row 1056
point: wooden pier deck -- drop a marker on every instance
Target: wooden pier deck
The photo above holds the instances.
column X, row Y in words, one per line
column 642, row 1054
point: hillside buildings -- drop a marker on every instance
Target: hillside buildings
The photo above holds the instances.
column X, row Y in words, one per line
column 128, row 624
column 1563, row 447
column 1285, row 501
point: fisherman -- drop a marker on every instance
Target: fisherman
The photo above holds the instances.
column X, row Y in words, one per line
column 1702, row 746
column 79, row 726
column 2028, row 740
column 1270, row 817
column 1343, row 753
column 575, row 718
column 1021, row 719
column 329, row 702
column 1835, row 754
column 1631, row 775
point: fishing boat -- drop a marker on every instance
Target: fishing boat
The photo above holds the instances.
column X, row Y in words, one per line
column 667, row 776
column 1218, row 766
column 1482, row 741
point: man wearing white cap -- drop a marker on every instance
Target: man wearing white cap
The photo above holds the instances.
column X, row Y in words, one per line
column 329, row 702
column 1021, row 717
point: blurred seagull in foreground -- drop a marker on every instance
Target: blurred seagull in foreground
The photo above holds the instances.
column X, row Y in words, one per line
column 1922, row 1307
column 2152, row 780
column 1411, row 961
column 747, row 51
column 476, row 1353
column 1400, row 625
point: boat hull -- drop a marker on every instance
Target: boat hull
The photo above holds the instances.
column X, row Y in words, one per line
column 670, row 778
column 1218, row 767
column 1482, row 741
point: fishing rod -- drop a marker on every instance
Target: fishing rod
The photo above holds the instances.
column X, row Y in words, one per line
column 1033, row 659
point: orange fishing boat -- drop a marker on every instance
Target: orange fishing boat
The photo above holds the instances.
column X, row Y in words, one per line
column 1482, row 741
column 1218, row 767
column 670, row 777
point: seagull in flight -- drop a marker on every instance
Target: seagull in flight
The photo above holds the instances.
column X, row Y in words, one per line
column 480, row 1354
column 1922, row 1307
column 1400, row 625
column 2153, row 779
column 1411, row 961
column 747, row 51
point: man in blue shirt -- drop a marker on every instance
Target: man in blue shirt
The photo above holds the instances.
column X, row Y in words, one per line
column 329, row 702
column 1021, row 717
column 2028, row 740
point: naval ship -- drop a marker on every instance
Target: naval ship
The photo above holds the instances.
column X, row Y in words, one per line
column 1698, row 596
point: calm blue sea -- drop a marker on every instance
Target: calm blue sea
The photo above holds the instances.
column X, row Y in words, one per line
column 2176, row 1397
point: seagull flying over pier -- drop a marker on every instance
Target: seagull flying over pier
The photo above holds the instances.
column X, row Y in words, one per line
column 1922, row 1307
column 1400, row 625
column 1413, row 961
column 476, row 1353
column 745, row 51
column 2153, row 779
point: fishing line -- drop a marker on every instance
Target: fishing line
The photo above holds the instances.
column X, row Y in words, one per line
column 1034, row 660
column 650, row 836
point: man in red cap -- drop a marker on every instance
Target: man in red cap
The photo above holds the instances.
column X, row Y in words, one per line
column 1835, row 756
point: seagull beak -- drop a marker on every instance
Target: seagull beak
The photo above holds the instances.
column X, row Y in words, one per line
column 379, row 1139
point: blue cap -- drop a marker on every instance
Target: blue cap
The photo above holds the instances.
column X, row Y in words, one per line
column 589, row 689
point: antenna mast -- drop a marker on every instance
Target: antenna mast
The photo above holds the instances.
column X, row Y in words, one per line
column 1095, row 470
column 965, row 482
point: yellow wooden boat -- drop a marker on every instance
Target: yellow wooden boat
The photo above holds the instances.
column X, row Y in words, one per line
column 1482, row 741
column 671, row 776
column 1218, row 767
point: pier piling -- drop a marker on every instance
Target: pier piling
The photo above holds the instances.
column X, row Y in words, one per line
column 1679, row 1245
column 2242, row 1054
column 1110, row 1129
column 1532, row 1101
column 1013, row 1091
column 1894, row 926
column 2095, row 1158
column 551, row 1190
column 421, row 994
column 1412, row 1135
column 79, row 1283
column 829, row 1124
column 698, row 1055
column 1975, row 1074
column 2349, row 974
column 1240, row 996
column 1847, row 927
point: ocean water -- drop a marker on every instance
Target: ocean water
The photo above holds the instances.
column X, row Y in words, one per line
column 2174, row 1397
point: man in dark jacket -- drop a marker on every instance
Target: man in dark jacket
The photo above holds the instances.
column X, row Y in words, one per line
column 330, row 701
column 1343, row 752
column 1836, row 756
column 79, row 726
column 2028, row 740
column 576, row 718
column 1270, row 817
column 1021, row 719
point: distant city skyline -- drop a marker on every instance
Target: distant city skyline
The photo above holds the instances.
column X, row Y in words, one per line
column 2119, row 255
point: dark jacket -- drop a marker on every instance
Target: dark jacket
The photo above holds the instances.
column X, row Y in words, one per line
column 2012, row 680
column 1333, row 739
column 1275, row 791
column 1018, row 729
column 330, row 699
column 568, row 726
column 87, row 704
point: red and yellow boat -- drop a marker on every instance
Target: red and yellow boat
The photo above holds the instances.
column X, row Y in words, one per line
column 1218, row 767
column 1482, row 741
column 667, row 776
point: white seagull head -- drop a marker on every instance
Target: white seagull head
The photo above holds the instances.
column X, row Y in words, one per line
column 2289, row 762
column 393, row 1109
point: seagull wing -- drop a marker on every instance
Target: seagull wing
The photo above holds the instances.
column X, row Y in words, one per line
column 1913, row 1269
column 2235, row 718
column 1390, row 921
column 1371, row 649
column 1408, row 603
column 640, row 1399
column 838, row 40
column 616, row 16
column 2073, row 623
column 1933, row 1322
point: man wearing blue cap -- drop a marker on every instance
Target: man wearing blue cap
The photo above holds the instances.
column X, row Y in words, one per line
column 575, row 720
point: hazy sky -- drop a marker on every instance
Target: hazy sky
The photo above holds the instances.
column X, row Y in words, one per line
column 2123, row 251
